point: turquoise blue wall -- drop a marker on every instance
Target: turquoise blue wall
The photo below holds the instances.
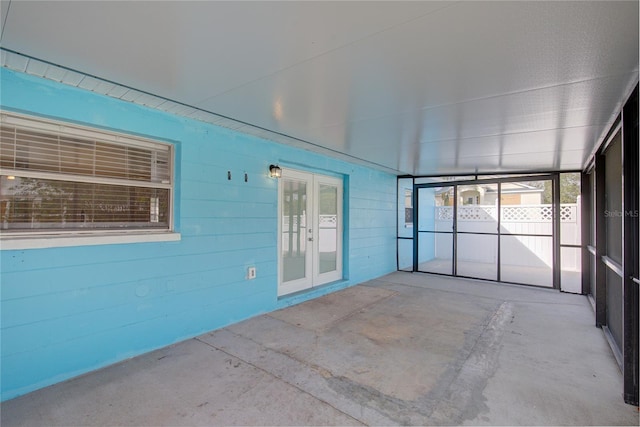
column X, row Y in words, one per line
column 66, row 311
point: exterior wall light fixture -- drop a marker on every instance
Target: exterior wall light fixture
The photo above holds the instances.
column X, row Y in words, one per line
column 275, row 171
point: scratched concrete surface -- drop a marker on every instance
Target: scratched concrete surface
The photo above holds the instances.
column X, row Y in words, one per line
column 405, row 349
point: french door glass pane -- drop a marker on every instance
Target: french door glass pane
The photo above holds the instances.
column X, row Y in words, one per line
column 328, row 228
column 294, row 229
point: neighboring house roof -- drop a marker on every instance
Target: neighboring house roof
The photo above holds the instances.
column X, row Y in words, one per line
column 515, row 187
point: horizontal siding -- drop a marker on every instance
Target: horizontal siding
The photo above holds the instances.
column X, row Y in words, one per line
column 66, row 311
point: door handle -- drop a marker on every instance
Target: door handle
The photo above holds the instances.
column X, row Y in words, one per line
column 311, row 239
column 636, row 280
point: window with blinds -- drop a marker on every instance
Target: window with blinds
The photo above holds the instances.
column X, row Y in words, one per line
column 57, row 176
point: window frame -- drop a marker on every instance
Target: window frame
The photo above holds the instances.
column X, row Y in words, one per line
column 45, row 238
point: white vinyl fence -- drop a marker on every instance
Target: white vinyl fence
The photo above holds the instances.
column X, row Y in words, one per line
column 531, row 251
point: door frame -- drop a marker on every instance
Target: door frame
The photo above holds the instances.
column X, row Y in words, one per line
column 313, row 276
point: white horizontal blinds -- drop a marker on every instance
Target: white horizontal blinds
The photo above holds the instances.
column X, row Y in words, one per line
column 30, row 203
column 37, row 151
column 52, row 180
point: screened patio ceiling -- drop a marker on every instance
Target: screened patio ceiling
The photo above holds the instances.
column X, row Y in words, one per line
column 409, row 87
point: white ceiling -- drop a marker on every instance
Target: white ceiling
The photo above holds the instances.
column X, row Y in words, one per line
column 414, row 87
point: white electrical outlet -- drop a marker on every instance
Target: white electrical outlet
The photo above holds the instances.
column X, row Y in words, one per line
column 251, row 273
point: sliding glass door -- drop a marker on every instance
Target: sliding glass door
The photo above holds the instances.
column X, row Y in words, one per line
column 496, row 229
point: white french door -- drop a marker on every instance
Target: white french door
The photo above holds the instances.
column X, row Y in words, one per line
column 310, row 230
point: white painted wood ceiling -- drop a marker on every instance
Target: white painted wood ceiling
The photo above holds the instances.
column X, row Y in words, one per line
column 413, row 87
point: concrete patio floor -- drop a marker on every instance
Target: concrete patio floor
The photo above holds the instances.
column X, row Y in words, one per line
column 405, row 349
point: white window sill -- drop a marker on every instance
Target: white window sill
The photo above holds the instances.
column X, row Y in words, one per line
column 64, row 240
